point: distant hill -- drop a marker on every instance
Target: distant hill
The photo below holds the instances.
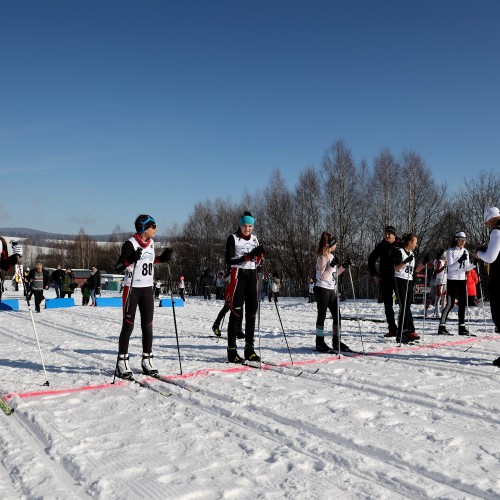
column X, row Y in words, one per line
column 23, row 232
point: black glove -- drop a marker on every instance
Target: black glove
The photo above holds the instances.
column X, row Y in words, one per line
column 426, row 259
column 257, row 251
column 166, row 255
column 408, row 259
column 463, row 258
column 335, row 261
column 136, row 255
column 347, row 263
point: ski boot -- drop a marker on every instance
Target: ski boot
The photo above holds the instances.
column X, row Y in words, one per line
column 147, row 365
column 497, row 362
column 251, row 355
column 338, row 345
column 391, row 333
column 122, row 369
column 404, row 338
column 414, row 336
column 442, row 330
column 216, row 330
column 321, row 345
column 233, row 356
column 462, row 330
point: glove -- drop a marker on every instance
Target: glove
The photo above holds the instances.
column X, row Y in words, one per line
column 335, row 261
column 347, row 263
column 166, row 255
column 426, row 259
column 463, row 258
column 257, row 251
column 136, row 255
column 408, row 259
column 17, row 249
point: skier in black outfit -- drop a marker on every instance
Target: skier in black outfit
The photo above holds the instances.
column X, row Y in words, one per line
column 491, row 255
column 243, row 254
column 137, row 261
column 385, row 275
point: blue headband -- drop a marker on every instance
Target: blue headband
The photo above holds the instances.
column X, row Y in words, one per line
column 247, row 219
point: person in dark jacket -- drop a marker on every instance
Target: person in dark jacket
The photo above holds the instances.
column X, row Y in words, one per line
column 57, row 279
column 94, row 284
column 206, row 284
column 68, row 283
column 491, row 255
column 384, row 276
column 38, row 279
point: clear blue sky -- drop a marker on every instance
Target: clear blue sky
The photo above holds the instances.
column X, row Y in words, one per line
column 113, row 108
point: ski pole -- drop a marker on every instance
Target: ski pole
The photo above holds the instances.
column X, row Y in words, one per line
column 258, row 313
column 125, row 310
column 425, row 304
column 175, row 319
column 482, row 300
column 356, row 308
column 37, row 341
column 283, row 330
column 404, row 313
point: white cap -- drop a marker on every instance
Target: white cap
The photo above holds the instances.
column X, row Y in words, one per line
column 490, row 212
column 459, row 235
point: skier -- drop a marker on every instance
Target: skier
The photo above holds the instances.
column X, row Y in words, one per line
column 137, row 261
column 458, row 264
column 6, row 261
column 38, row 279
column 325, row 292
column 243, row 254
column 385, row 275
column 404, row 268
column 491, row 255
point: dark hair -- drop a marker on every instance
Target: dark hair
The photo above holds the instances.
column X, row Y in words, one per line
column 406, row 238
column 327, row 240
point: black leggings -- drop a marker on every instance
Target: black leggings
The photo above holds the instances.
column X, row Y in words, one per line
column 456, row 290
column 144, row 298
column 404, row 293
column 326, row 299
column 243, row 290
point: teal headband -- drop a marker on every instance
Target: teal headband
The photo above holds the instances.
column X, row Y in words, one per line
column 247, row 219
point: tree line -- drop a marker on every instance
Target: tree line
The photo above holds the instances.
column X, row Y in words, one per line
column 354, row 201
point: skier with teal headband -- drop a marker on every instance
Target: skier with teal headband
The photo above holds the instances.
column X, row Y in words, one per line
column 243, row 254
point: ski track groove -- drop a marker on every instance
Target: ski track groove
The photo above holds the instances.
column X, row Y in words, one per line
column 303, row 435
column 33, row 441
column 208, row 402
column 304, row 431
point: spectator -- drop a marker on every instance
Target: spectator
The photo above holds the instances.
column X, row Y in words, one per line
column 68, row 283
column 57, row 278
column 472, row 280
column 94, row 282
column 206, row 284
column 219, row 286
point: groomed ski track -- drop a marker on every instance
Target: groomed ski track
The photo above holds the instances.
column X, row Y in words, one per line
column 360, row 430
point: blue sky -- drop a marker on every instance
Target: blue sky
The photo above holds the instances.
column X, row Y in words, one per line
column 113, row 108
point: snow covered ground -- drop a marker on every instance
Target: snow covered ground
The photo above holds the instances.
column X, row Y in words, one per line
column 412, row 422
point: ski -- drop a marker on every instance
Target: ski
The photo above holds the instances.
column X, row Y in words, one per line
column 5, row 407
column 266, row 366
column 292, row 367
column 146, row 385
column 342, row 353
column 177, row 383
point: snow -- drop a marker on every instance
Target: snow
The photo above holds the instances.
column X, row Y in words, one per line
column 412, row 422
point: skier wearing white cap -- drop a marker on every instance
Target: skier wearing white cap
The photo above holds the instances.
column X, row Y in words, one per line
column 490, row 255
column 458, row 264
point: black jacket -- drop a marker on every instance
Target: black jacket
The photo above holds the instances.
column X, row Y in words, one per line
column 383, row 252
